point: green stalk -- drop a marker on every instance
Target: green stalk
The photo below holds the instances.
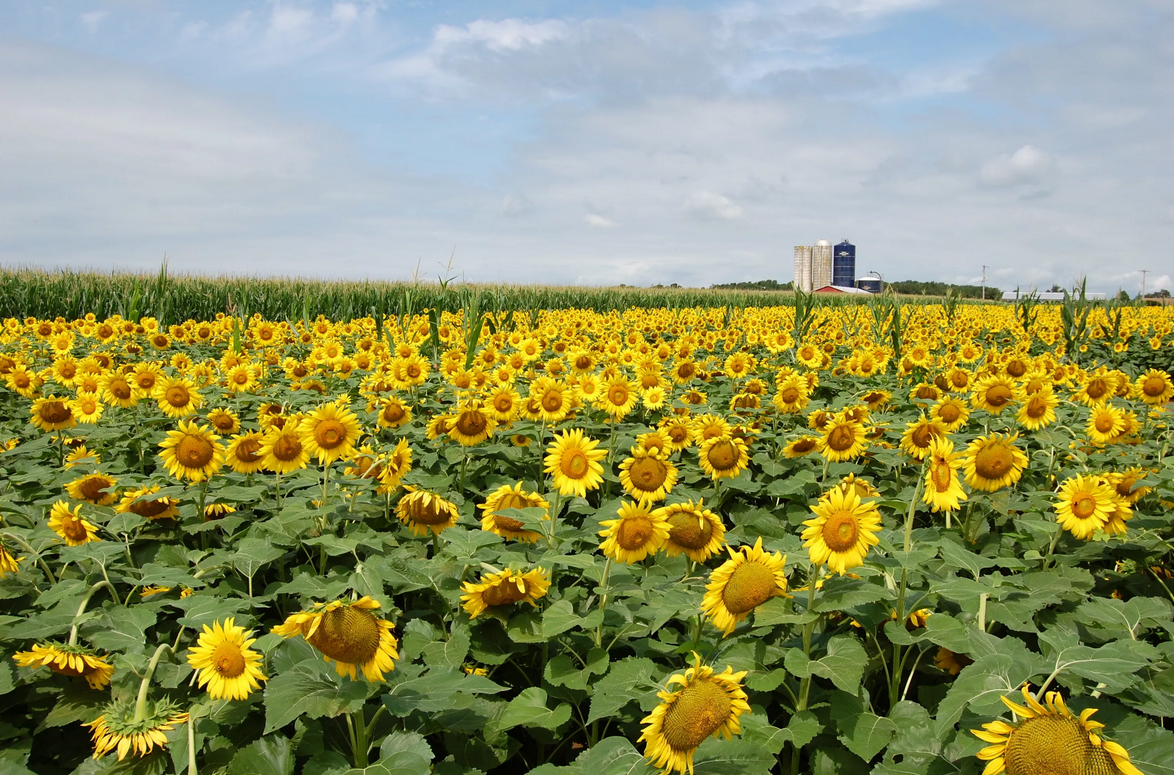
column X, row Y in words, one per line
column 81, row 609
column 141, row 702
column 898, row 662
column 805, row 683
column 603, row 579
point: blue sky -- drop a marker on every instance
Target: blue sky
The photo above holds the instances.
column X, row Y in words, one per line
column 591, row 142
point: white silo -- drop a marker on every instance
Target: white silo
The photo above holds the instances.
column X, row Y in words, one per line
column 803, row 268
column 821, row 264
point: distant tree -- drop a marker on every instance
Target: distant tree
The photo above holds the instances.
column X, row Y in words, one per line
column 924, row 288
column 758, row 285
column 1162, row 294
column 1055, row 288
column 1123, row 295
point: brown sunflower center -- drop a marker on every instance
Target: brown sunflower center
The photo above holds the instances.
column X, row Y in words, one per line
column 429, row 513
column 686, row 370
column 634, row 532
column 678, row 433
column 91, row 488
column 504, row 592
column 177, row 396
column 927, row 391
column 349, row 635
column 941, row 475
column 73, row 529
column 923, row 436
column 287, row 448
column 723, row 455
column 223, row 422
column 841, row 438
column 618, row 395
column 689, row 529
column 194, row 451
column 1016, row 368
column 575, row 464
column 503, row 403
column 330, row 434
column 840, row 531
column 1125, row 487
column 150, row 509
column 552, row 400
column 789, row 395
column 54, row 412
column 1153, row 386
column 700, row 709
column 1097, row 388
column 1105, row 422
column 648, row 473
column 949, row 413
column 1037, row 407
column 1084, row 505
column 802, row 446
column 993, row 461
column 471, row 423
column 1054, row 745
column 998, row 395
column 749, row 586
column 393, row 413
column 246, row 451
column 228, row 660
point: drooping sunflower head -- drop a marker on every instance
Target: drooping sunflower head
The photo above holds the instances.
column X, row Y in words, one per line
column 693, row 530
column 1047, row 738
column 504, row 588
column 742, row 583
column 638, row 533
column 507, row 497
column 707, row 704
column 800, row 447
column 842, row 532
column 347, row 633
column 51, row 413
column 943, row 489
column 138, row 502
column 75, row 660
column 425, row 512
column 70, row 526
column 117, row 730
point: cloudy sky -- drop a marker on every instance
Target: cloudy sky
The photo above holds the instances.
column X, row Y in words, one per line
column 591, row 142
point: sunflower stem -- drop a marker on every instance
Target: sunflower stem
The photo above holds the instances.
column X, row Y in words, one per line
column 805, row 683
column 144, row 685
column 192, row 745
column 603, row 579
column 277, row 489
column 81, row 609
column 898, row 660
column 325, row 483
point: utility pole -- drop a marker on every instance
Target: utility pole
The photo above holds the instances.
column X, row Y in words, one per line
column 1143, row 274
column 984, row 282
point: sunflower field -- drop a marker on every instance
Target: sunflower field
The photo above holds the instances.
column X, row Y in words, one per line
column 874, row 538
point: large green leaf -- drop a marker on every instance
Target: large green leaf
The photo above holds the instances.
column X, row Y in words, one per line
column 308, row 690
column 271, row 755
column 529, row 709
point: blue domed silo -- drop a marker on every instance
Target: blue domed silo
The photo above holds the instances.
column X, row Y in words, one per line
column 844, row 264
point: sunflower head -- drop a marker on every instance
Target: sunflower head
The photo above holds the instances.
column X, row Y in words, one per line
column 742, row 583
column 70, row 660
column 117, row 730
column 347, row 633
column 638, row 533
column 507, row 497
column 423, row 511
column 504, row 588
column 842, row 532
column 693, row 530
column 227, row 667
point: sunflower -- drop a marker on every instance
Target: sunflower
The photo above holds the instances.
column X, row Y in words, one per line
column 241, row 378
column 1084, row 505
column 507, row 497
column 573, row 460
column 843, row 531
column 943, row 489
column 70, row 525
column 723, row 457
column 225, row 663
column 8, row 563
column 1126, row 484
column 709, row 426
column 707, row 704
column 994, row 462
column 648, row 475
column 51, row 413
column 1105, row 424
column 423, row 511
column 503, row 403
column 392, row 413
column 68, row 660
column 638, row 533
column 842, row 440
column 1098, row 387
column 1039, row 410
column 504, row 588
column 800, row 447
column 693, row 529
column 347, row 633
column 397, row 464
column 177, row 397
column 282, row 450
column 145, row 376
column 552, row 398
column 618, row 397
column 792, row 397
column 742, row 583
column 656, row 441
column 471, row 424
column 244, row 453
column 920, row 435
column 1050, row 739
column 82, row 456
column 97, row 489
column 87, row 408
column 214, row 511
column 854, row 484
column 950, row 661
column 135, row 502
column 118, row 390
column 994, row 393
column 678, row 431
column 193, row 452
column 225, row 421
column 1154, row 387
column 117, row 730
column 329, row 433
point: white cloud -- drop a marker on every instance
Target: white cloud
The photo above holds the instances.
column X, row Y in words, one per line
column 91, row 20
column 505, row 35
column 710, row 206
column 599, row 222
column 1026, row 165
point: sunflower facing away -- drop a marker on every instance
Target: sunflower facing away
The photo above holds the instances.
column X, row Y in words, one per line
column 507, row 497
column 117, row 730
column 226, row 665
column 648, row 475
column 843, row 531
column 329, row 433
column 504, row 588
column 742, row 583
column 68, row 660
column 347, row 633
column 192, row 452
column 1085, row 504
column 1049, row 739
column 693, row 529
column 573, row 460
column 707, row 704
column 638, row 533
column 994, row 462
column 69, row 524
column 423, row 511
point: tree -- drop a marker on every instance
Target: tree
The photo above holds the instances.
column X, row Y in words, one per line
column 1123, row 295
column 1055, row 288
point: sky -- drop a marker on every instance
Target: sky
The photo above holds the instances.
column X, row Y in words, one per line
column 591, row 142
